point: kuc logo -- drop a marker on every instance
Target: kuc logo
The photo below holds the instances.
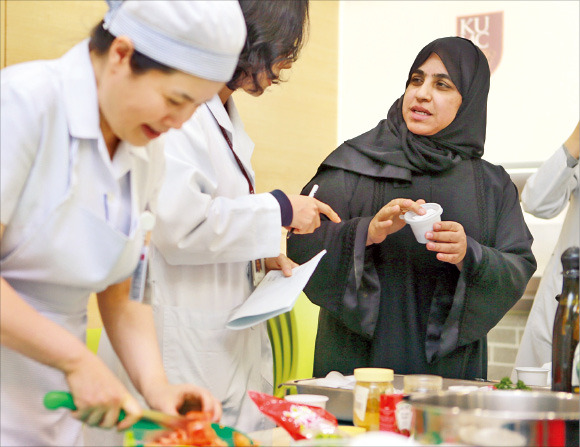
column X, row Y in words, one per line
column 485, row 31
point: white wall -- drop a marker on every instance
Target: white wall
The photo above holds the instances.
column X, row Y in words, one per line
column 534, row 98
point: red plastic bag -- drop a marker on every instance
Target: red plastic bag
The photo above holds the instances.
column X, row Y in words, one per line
column 299, row 420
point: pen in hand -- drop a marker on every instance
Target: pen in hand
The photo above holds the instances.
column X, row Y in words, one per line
column 312, row 192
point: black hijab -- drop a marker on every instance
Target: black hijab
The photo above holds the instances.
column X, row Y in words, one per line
column 391, row 150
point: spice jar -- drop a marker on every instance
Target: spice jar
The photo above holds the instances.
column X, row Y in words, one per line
column 370, row 384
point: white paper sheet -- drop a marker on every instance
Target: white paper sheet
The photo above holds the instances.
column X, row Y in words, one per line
column 275, row 295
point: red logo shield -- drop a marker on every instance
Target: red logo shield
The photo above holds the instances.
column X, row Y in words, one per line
column 485, row 31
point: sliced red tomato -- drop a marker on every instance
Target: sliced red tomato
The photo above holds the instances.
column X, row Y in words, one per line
column 197, row 432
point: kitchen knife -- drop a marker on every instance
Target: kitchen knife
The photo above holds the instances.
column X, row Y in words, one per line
column 150, row 419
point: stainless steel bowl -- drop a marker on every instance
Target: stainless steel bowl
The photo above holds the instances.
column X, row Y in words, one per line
column 496, row 418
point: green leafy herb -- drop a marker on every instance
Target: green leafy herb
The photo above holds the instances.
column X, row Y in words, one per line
column 507, row 384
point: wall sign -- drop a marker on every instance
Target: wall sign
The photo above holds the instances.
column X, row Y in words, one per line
column 485, row 31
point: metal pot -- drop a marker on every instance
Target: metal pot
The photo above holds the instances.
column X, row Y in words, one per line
column 496, row 418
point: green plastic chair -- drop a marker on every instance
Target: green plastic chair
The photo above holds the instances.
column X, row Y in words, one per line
column 292, row 336
column 284, row 349
column 93, row 337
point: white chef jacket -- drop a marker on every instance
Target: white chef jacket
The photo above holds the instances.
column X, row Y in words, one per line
column 73, row 222
column 208, row 229
column 546, row 194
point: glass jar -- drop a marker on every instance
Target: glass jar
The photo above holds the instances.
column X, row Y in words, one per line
column 370, row 384
column 422, row 383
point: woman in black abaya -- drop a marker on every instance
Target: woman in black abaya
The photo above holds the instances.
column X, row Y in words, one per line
column 386, row 300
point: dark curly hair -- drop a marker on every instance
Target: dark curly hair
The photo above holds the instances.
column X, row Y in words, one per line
column 101, row 40
column 276, row 32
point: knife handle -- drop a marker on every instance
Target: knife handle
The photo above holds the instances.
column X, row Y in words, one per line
column 59, row 399
column 63, row 399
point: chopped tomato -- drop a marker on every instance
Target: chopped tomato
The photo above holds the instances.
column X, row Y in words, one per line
column 196, row 432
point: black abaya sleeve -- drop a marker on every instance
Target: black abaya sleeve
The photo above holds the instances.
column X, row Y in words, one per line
column 345, row 282
column 494, row 277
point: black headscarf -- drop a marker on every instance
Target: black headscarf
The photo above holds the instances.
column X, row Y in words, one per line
column 391, row 150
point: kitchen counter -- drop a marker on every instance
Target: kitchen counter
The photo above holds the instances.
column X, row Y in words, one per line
column 340, row 402
column 538, row 417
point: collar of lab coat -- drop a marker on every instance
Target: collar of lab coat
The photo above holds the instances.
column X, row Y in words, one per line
column 80, row 93
column 231, row 120
column 219, row 111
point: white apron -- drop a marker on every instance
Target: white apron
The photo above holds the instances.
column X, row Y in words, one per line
column 72, row 252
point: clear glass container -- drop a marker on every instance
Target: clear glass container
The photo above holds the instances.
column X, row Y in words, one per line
column 422, row 383
column 370, row 384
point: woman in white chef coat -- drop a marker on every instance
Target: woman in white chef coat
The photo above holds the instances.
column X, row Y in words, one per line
column 546, row 193
column 80, row 168
column 211, row 227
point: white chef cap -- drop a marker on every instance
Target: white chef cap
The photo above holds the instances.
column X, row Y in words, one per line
column 203, row 38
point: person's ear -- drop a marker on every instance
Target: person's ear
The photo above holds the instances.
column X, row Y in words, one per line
column 120, row 52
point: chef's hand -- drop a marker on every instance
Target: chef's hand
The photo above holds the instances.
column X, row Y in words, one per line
column 179, row 399
column 389, row 219
column 449, row 240
column 282, row 262
column 99, row 395
column 306, row 213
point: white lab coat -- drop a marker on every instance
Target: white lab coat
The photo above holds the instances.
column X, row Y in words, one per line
column 61, row 241
column 208, row 229
column 545, row 195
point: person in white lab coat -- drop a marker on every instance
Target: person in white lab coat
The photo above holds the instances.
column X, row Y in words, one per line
column 545, row 194
column 80, row 168
column 210, row 227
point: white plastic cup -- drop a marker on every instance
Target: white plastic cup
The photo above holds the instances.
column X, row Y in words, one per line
column 316, row 400
column 533, row 376
column 422, row 224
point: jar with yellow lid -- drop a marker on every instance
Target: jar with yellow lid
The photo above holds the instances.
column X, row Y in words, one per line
column 370, row 384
